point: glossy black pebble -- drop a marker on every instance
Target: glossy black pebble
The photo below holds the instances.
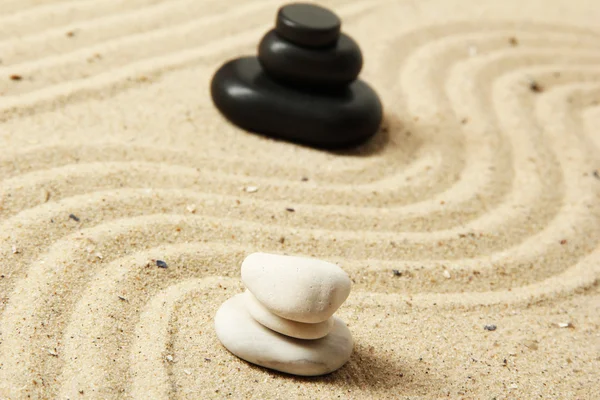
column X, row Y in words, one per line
column 250, row 99
column 308, row 25
column 339, row 64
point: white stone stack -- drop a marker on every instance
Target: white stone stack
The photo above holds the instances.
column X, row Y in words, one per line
column 284, row 320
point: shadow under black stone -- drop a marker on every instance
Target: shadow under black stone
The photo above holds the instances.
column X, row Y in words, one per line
column 374, row 145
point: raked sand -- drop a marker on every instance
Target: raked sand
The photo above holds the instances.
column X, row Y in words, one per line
column 482, row 192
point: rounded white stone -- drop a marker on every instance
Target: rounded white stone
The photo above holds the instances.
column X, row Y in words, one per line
column 297, row 288
column 250, row 341
column 284, row 326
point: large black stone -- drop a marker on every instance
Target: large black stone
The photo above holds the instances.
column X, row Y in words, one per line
column 308, row 25
column 340, row 118
column 338, row 64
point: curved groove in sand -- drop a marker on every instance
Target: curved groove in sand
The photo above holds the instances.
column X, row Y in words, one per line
column 453, row 203
column 45, row 301
column 131, row 55
column 119, row 278
column 385, row 183
column 147, row 356
column 148, row 352
column 581, row 276
column 52, row 262
column 366, row 245
column 517, row 204
column 139, row 45
column 121, row 23
column 80, row 34
column 437, row 200
column 89, row 324
column 28, row 19
column 41, row 158
column 179, row 199
column 577, row 102
column 67, row 179
column 588, row 119
column 473, row 185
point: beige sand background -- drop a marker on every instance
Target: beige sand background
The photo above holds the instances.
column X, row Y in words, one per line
column 482, row 191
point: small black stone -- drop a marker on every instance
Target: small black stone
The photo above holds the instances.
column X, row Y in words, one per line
column 303, row 87
column 308, row 25
column 249, row 98
column 335, row 65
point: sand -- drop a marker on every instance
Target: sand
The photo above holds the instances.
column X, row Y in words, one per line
column 477, row 204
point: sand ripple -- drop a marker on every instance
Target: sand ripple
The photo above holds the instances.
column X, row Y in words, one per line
column 481, row 189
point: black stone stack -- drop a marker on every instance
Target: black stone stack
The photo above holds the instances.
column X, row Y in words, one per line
column 303, row 85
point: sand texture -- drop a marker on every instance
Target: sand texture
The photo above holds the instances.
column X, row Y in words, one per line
column 477, row 204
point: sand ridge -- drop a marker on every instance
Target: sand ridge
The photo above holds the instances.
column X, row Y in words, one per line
column 476, row 204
